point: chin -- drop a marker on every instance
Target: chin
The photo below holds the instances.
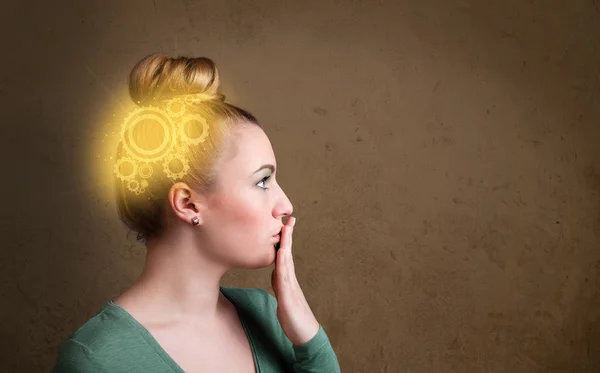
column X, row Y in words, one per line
column 260, row 259
column 268, row 258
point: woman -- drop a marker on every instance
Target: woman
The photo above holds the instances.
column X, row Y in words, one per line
column 195, row 179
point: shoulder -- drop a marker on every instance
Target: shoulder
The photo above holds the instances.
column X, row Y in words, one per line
column 99, row 339
column 108, row 327
column 74, row 356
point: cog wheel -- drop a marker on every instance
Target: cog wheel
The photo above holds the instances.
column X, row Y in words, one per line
column 176, row 107
column 145, row 171
column 166, row 140
column 167, row 166
column 122, row 161
column 190, row 118
column 134, row 186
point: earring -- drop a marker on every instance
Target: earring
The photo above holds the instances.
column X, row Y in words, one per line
column 195, row 221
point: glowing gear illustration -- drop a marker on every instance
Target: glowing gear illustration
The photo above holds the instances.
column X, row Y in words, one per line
column 146, row 120
column 128, row 175
column 145, row 171
column 135, row 186
column 193, row 119
column 176, row 108
column 174, row 159
column 153, row 136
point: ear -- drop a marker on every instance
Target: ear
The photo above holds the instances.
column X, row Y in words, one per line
column 186, row 203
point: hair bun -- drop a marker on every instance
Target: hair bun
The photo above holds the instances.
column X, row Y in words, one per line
column 196, row 98
column 159, row 77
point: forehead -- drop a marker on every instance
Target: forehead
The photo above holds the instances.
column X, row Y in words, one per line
column 251, row 148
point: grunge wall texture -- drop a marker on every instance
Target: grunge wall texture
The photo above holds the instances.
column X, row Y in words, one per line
column 442, row 157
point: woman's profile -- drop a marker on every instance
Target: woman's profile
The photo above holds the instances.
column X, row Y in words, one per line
column 196, row 180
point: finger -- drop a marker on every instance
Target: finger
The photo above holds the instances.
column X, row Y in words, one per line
column 285, row 247
column 289, row 253
column 282, row 263
column 290, row 241
column 293, row 226
column 282, row 252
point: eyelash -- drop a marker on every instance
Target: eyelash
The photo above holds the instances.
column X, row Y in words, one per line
column 264, row 179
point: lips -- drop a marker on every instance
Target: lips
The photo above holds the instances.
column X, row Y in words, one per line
column 278, row 233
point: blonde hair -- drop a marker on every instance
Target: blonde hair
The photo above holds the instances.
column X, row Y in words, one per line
column 152, row 81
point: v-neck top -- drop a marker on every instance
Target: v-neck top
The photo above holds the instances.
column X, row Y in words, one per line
column 113, row 341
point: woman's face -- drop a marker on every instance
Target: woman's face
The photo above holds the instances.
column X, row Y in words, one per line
column 247, row 206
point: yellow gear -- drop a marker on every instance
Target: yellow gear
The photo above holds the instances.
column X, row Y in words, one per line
column 167, row 168
column 145, row 171
column 176, row 113
column 167, row 139
column 117, row 168
column 134, row 186
column 173, row 141
column 190, row 118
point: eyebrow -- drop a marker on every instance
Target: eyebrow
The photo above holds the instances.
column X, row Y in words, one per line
column 269, row 166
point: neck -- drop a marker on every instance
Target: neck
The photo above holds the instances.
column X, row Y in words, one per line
column 178, row 284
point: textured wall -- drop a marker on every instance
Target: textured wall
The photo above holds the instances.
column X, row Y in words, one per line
column 442, row 157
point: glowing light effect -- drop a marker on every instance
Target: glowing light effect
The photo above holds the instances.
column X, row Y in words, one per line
column 152, row 138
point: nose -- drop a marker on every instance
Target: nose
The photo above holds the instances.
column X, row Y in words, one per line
column 283, row 206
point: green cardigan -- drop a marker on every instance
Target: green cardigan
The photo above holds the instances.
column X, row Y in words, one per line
column 113, row 341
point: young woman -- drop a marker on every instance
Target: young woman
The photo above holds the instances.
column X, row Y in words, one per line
column 195, row 179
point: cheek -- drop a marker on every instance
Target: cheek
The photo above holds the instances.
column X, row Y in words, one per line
column 241, row 229
column 241, row 214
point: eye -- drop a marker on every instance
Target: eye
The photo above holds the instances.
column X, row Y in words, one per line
column 264, row 180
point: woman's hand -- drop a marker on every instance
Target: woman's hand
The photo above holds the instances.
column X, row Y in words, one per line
column 294, row 314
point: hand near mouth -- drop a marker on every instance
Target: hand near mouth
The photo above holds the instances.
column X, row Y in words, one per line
column 295, row 316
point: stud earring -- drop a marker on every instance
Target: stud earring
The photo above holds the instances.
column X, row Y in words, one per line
column 195, row 221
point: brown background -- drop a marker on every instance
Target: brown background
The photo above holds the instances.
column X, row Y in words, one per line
column 442, row 157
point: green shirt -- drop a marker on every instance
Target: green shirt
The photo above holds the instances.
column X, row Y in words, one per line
column 113, row 341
